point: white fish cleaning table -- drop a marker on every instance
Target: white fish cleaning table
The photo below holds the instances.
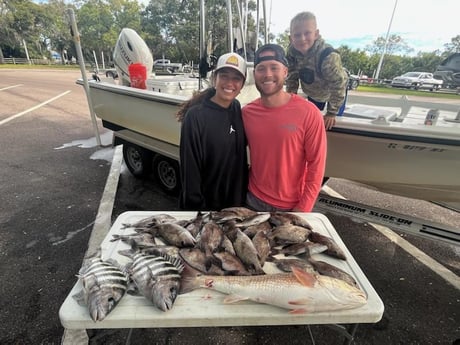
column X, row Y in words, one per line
column 205, row 308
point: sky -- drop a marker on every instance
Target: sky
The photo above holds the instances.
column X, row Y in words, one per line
column 425, row 25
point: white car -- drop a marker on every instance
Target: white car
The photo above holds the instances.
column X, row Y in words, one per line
column 417, row 80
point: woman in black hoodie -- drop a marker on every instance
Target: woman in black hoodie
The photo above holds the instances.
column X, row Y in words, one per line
column 213, row 158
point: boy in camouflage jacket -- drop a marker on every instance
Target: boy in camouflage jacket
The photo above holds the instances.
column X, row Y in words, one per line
column 318, row 67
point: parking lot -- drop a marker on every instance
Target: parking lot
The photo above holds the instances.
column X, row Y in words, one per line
column 54, row 176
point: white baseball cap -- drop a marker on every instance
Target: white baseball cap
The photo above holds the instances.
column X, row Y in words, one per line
column 232, row 60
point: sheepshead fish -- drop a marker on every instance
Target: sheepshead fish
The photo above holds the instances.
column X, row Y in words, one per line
column 140, row 238
column 174, row 235
column 104, row 284
column 195, row 258
column 287, row 264
column 299, row 291
column 282, row 218
column 231, row 264
column 245, row 250
column 171, row 251
column 232, row 213
column 157, row 277
column 332, row 271
column 333, row 248
column 289, row 233
column 151, row 221
column 253, row 220
column 304, row 248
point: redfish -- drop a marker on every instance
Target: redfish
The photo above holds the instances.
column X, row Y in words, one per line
column 299, row 291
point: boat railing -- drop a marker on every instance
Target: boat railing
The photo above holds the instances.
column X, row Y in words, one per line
column 404, row 103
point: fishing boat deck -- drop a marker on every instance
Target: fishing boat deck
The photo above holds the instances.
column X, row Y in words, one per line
column 205, row 308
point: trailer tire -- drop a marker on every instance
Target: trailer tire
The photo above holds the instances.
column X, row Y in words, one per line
column 167, row 172
column 137, row 159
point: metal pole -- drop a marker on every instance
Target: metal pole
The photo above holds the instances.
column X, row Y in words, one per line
column 265, row 22
column 257, row 25
column 202, row 42
column 385, row 45
column 230, row 25
column 95, row 61
column 76, row 39
column 27, row 52
column 242, row 31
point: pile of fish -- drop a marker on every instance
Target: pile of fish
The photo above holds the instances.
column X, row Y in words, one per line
column 226, row 251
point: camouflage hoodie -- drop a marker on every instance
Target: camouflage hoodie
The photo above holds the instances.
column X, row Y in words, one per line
column 326, row 86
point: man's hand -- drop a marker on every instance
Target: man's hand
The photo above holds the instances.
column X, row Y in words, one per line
column 329, row 121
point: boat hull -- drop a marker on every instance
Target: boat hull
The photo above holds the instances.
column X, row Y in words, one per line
column 397, row 166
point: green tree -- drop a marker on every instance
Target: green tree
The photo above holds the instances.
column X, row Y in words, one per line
column 172, row 27
column 427, row 62
column 100, row 23
column 9, row 37
column 356, row 61
column 55, row 32
column 20, row 20
column 283, row 39
column 395, row 45
column 453, row 46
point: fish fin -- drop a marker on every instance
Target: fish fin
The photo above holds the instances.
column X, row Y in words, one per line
column 174, row 260
column 301, row 301
column 305, row 278
column 298, row 311
column 234, row 298
column 127, row 252
column 80, row 298
column 132, row 289
column 115, row 237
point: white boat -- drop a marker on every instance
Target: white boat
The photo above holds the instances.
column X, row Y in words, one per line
column 398, row 145
column 382, row 142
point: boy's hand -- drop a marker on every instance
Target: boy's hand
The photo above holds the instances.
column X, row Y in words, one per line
column 329, row 121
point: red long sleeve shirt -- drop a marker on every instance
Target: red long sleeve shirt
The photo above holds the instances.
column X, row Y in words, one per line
column 287, row 147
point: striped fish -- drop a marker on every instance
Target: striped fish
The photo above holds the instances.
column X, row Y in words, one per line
column 104, row 284
column 157, row 277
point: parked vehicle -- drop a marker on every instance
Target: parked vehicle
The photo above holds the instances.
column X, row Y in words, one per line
column 449, row 71
column 417, row 80
column 353, row 80
column 166, row 64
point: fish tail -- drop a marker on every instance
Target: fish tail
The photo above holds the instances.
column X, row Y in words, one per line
column 189, row 279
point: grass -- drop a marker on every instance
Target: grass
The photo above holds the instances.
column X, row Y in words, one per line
column 386, row 89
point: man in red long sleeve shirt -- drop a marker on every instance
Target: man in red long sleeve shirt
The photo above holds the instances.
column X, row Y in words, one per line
column 286, row 138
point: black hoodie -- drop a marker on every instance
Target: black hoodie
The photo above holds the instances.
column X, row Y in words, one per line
column 213, row 158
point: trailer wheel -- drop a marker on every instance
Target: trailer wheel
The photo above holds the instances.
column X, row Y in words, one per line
column 166, row 170
column 137, row 159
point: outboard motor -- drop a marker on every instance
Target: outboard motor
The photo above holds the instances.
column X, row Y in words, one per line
column 131, row 48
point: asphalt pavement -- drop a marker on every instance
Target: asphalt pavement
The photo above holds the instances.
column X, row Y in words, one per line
column 53, row 180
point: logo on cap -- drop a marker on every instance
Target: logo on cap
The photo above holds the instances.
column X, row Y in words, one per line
column 232, row 60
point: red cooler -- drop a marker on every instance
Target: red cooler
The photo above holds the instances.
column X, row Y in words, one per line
column 138, row 75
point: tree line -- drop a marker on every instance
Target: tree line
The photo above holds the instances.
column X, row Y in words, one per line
column 170, row 29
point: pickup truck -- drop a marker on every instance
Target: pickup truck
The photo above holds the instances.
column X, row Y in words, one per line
column 417, row 80
column 165, row 64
